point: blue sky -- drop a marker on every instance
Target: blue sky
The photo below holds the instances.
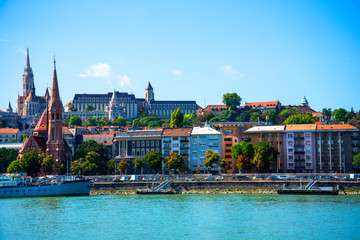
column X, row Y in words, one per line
column 188, row 50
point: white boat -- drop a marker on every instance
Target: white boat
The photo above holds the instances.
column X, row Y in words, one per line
column 17, row 186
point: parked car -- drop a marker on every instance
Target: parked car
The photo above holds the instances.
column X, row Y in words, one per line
column 243, row 177
column 347, row 179
column 190, row 179
column 257, row 177
column 124, row 178
column 116, row 180
column 220, row 178
column 147, row 179
column 211, row 178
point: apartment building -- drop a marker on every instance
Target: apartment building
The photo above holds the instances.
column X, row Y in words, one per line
column 274, row 135
column 299, row 148
column 336, row 144
column 202, row 139
column 176, row 140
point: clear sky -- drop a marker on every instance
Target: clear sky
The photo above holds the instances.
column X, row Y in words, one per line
column 189, row 50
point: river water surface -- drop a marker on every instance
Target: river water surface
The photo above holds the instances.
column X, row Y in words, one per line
column 218, row 216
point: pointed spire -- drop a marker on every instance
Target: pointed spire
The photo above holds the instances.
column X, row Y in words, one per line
column 149, row 87
column 27, row 59
column 47, row 95
column 55, row 96
column 9, row 108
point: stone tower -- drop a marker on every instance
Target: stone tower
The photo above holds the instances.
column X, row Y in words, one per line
column 149, row 93
column 28, row 77
column 55, row 142
column 116, row 108
column 304, row 102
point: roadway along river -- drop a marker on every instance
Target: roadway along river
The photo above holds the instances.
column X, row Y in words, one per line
column 181, row 217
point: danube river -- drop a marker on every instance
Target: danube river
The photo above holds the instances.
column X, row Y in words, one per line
column 217, row 216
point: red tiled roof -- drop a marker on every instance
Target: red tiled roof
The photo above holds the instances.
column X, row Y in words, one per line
column 211, row 108
column 176, row 131
column 335, row 127
column 65, row 130
column 9, row 130
column 42, row 123
column 272, row 104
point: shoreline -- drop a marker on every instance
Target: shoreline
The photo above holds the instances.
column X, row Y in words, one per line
column 205, row 191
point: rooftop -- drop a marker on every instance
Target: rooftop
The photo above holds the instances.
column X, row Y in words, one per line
column 177, row 131
column 335, row 127
column 266, row 129
column 9, row 130
column 204, row 131
column 300, row 127
column 271, row 104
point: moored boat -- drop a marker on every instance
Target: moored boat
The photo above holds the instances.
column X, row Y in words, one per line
column 18, row 186
column 309, row 189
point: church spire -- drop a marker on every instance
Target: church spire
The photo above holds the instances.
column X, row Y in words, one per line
column 28, row 77
column 55, row 96
column 27, row 59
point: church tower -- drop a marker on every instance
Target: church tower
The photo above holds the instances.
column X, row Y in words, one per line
column 149, row 93
column 55, row 142
column 28, row 78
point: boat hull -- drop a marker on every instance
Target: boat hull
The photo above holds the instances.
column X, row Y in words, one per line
column 308, row 192
column 71, row 188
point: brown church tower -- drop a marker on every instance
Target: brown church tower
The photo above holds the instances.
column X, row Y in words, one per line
column 55, row 143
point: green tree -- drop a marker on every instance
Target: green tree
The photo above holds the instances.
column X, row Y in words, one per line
column 14, row 167
column 91, row 145
column 262, row 156
column 120, row 121
column 215, row 119
column 205, row 116
column 326, row 112
column 123, row 166
column 224, row 165
column 227, row 116
column 189, row 119
column 90, row 122
column 75, row 121
column 232, row 101
column 104, row 121
column 175, row 161
column 271, row 116
column 136, row 122
column 48, row 164
column 211, row 158
column 7, row 155
column 31, row 163
column 288, row 111
column 154, row 160
column 244, row 153
column 139, row 164
column 111, row 166
column 356, row 160
column 177, row 119
column 255, row 117
column 89, row 108
column 299, row 119
column 339, row 115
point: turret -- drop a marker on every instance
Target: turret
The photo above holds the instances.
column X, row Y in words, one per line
column 28, row 77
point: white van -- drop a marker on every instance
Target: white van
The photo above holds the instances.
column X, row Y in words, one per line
column 134, row 178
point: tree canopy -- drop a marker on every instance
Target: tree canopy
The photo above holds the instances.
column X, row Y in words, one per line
column 7, row 155
column 177, row 119
column 175, row 161
column 123, row 165
column 75, row 121
column 211, row 158
column 299, row 119
column 29, row 163
column 356, row 160
column 154, row 160
column 232, row 101
column 89, row 108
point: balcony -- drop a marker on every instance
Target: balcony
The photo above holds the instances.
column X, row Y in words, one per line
column 299, row 145
column 355, row 136
column 299, row 160
column 184, row 140
column 299, row 166
column 299, row 138
column 166, row 147
column 355, row 145
column 299, row 152
column 184, row 146
column 166, row 140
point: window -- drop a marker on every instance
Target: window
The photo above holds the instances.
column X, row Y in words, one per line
column 52, row 134
column 290, row 135
column 291, row 157
column 290, row 150
column 308, row 150
column 308, row 157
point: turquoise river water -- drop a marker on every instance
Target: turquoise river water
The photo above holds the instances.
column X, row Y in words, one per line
column 181, row 217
